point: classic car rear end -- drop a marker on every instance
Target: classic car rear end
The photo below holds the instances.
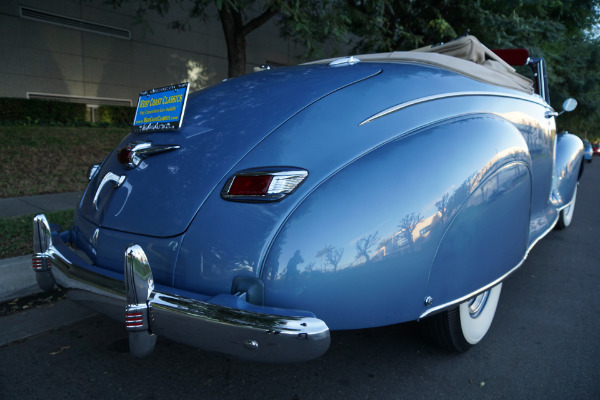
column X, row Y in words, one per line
column 314, row 188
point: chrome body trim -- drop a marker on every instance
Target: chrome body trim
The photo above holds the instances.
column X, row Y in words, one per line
column 285, row 182
column 447, row 96
column 344, row 61
column 138, row 151
column 93, row 170
column 224, row 323
column 116, row 180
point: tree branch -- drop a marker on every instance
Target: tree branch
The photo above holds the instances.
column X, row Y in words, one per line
column 259, row 20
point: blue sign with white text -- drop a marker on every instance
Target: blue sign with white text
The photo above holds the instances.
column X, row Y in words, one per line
column 161, row 109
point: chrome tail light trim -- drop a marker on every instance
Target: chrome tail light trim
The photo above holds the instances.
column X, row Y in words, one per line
column 285, row 181
column 41, row 262
column 139, row 285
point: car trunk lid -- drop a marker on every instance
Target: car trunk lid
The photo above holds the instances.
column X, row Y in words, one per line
column 161, row 195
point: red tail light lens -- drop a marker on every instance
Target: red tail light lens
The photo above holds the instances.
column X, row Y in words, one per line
column 134, row 319
column 41, row 262
column 124, row 155
column 270, row 184
column 250, row 185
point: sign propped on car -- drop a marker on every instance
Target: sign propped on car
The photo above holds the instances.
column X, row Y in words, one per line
column 161, row 109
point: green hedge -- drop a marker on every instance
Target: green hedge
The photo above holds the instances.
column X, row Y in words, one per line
column 118, row 115
column 22, row 110
column 46, row 112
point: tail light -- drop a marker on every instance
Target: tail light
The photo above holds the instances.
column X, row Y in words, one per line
column 41, row 262
column 269, row 184
column 134, row 319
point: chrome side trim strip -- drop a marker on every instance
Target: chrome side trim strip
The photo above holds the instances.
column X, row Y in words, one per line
column 471, row 295
column 447, row 96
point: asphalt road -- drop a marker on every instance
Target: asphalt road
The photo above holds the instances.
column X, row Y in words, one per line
column 543, row 344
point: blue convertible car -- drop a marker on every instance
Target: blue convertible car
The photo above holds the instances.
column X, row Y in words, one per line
column 252, row 217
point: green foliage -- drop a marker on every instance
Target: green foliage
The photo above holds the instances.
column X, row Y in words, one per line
column 308, row 22
column 116, row 115
column 47, row 159
column 16, row 233
column 558, row 31
column 31, row 110
column 19, row 111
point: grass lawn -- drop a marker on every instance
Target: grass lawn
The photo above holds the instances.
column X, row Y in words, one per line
column 41, row 159
column 48, row 159
column 16, row 233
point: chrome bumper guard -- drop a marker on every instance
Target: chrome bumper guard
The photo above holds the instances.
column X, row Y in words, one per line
column 224, row 324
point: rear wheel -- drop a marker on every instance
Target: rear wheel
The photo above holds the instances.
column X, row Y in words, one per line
column 459, row 328
column 566, row 214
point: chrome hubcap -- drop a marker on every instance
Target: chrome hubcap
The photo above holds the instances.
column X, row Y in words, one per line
column 477, row 304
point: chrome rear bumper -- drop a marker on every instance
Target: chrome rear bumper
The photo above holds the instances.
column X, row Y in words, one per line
column 225, row 323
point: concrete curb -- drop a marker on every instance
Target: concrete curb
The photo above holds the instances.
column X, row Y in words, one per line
column 41, row 320
column 18, row 278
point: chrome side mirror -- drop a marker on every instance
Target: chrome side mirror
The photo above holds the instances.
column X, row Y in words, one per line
column 569, row 105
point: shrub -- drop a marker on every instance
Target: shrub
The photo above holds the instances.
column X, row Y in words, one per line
column 34, row 111
column 18, row 111
column 117, row 115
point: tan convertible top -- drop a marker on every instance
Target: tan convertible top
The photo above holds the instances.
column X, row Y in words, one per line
column 465, row 55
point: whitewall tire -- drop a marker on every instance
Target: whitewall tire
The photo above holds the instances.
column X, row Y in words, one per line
column 566, row 214
column 477, row 314
column 459, row 328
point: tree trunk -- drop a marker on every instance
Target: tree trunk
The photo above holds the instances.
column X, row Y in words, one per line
column 235, row 36
column 233, row 28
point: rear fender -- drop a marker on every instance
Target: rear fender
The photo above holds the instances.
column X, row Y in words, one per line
column 568, row 168
column 346, row 252
column 486, row 239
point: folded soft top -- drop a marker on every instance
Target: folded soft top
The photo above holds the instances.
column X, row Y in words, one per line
column 466, row 55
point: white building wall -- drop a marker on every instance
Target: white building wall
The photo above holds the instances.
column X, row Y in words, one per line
column 40, row 59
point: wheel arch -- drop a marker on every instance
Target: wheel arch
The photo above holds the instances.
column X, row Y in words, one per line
column 568, row 167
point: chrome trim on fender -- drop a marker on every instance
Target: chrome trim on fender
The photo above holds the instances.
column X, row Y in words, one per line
column 447, row 96
column 225, row 323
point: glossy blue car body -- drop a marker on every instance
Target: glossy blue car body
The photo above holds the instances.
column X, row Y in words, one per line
column 588, row 151
column 425, row 187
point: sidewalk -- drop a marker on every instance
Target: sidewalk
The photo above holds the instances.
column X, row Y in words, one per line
column 18, row 278
column 17, row 206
